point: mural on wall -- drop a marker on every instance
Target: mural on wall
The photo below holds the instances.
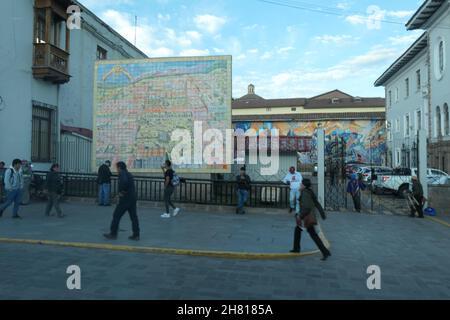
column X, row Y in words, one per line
column 365, row 140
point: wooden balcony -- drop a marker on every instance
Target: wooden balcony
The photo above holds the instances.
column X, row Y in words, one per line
column 50, row 63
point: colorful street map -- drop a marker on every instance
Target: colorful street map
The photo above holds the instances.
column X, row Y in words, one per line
column 139, row 103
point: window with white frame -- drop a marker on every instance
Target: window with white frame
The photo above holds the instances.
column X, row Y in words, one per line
column 407, row 125
column 418, row 120
column 446, row 120
column 398, row 156
column 397, row 125
column 438, row 124
column 407, row 87
column 418, row 80
column 441, row 56
column 397, row 95
column 390, row 98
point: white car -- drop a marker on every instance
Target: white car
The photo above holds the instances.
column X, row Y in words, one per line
column 434, row 176
column 366, row 172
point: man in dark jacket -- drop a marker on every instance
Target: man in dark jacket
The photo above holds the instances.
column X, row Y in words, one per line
column 243, row 188
column 417, row 198
column 354, row 187
column 104, row 184
column 127, row 202
column 307, row 219
column 54, row 187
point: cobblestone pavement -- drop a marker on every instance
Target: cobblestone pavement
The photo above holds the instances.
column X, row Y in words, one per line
column 412, row 253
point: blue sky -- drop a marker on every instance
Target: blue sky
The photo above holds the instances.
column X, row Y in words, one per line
column 284, row 51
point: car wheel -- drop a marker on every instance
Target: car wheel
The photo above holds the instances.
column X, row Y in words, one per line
column 402, row 191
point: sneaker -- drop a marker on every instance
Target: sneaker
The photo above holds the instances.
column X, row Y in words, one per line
column 165, row 215
column 175, row 211
column 17, row 217
column 1, row 213
column 294, row 251
column 110, row 236
column 134, row 238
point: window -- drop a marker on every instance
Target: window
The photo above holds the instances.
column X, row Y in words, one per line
column 268, row 109
column 407, row 87
column 446, row 120
column 407, row 123
column 397, row 125
column 419, row 120
column 102, row 54
column 398, row 156
column 41, row 140
column 56, row 32
column 441, row 56
column 397, row 96
column 40, row 26
column 293, row 109
column 390, row 97
column 438, row 122
column 418, row 80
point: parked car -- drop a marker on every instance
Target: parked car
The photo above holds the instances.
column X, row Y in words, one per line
column 367, row 173
column 399, row 181
column 352, row 167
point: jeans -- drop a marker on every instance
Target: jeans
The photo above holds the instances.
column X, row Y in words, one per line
column 13, row 196
column 357, row 201
column 242, row 198
column 122, row 207
column 53, row 200
column 294, row 198
column 168, row 191
column 104, row 191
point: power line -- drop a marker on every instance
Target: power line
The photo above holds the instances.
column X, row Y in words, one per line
column 328, row 10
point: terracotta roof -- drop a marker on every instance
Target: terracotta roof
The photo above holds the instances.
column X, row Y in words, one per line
column 269, row 103
column 345, row 103
column 312, row 116
column 332, row 94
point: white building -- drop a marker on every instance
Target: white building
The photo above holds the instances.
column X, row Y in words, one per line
column 46, row 81
column 433, row 17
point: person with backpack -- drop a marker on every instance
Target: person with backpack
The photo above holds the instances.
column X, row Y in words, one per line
column 54, row 188
column 307, row 219
column 127, row 202
column 104, row 184
column 171, row 180
column 354, row 187
column 243, row 188
column 14, row 188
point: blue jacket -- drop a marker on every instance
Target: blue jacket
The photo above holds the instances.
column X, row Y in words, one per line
column 354, row 186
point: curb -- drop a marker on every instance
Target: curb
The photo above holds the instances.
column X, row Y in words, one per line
column 439, row 221
column 186, row 252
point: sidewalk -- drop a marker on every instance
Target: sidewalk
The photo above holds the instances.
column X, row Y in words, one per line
column 190, row 230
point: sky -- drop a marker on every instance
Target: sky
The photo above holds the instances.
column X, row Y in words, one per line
column 286, row 48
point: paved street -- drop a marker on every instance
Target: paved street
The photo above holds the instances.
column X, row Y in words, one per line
column 413, row 256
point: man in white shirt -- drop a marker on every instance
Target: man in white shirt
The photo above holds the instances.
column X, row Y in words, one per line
column 294, row 179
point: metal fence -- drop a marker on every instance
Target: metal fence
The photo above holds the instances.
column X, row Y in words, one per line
column 195, row 191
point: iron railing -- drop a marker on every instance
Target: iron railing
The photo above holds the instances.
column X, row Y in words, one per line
column 195, row 191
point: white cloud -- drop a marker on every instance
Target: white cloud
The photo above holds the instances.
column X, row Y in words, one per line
column 194, row 35
column 336, row 39
column 162, row 52
column 343, row 5
column 194, row 52
column 400, row 14
column 163, row 17
column 241, row 57
column 212, row 24
column 373, row 19
column 404, row 40
column 253, row 51
column 266, row 55
column 285, row 50
column 217, row 50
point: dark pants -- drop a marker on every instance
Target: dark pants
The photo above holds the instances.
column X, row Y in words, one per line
column 418, row 207
column 53, row 200
column 168, row 191
column 313, row 234
column 357, row 202
column 122, row 207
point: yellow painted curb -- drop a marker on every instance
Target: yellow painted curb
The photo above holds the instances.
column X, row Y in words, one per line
column 439, row 221
column 215, row 254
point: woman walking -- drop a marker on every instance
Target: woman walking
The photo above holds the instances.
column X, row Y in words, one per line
column 55, row 188
column 307, row 219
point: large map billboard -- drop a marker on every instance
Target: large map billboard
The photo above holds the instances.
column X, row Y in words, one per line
column 139, row 103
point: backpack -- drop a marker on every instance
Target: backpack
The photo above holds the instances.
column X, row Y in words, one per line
column 175, row 180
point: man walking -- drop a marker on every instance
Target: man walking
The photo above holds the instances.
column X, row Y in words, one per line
column 169, row 189
column 294, row 179
column 243, row 188
column 417, row 198
column 104, row 184
column 14, row 188
column 127, row 202
column 55, row 188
